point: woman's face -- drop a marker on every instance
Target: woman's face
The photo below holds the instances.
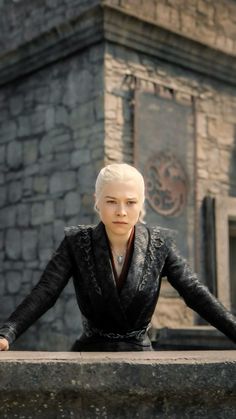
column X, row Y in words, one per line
column 119, row 206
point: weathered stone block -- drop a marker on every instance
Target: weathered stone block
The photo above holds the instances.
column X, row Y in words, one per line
column 23, row 215
column 16, row 105
column 7, row 217
column 30, row 152
column 37, row 214
column 14, row 155
column 24, row 129
column 80, row 157
column 28, row 186
column 3, row 196
column 83, row 116
column 78, row 88
column 53, row 139
column 49, row 214
column 86, row 178
column 45, row 239
column 59, row 208
column 58, row 231
column 72, row 203
column 15, row 192
column 13, row 243
column 62, row 181
column 61, row 117
column 2, row 154
column 44, row 256
column 49, row 119
column 1, row 240
column 8, row 132
column 13, row 282
column 7, row 306
column 2, row 285
column 40, row 184
column 29, row 244
column 27, row 276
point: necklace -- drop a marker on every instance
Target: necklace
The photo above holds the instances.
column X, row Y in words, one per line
column 119, row 258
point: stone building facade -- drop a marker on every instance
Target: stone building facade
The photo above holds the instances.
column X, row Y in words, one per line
column 69, row 70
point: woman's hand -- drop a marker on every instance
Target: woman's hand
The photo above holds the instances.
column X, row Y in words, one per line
column 4, row 344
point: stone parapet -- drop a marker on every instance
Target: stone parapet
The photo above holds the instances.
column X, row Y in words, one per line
column 118, row 385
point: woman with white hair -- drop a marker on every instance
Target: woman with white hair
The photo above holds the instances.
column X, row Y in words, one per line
column 117, row 268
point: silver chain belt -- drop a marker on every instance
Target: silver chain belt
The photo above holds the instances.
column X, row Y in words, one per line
column 137, row 334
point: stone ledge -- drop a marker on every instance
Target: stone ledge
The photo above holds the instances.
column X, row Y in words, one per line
column 118, row 385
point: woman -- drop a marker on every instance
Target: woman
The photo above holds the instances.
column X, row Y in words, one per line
column 116, row 267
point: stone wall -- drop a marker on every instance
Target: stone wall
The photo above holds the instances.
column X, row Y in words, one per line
column 20, row 22
column 51, row 147
column 215, row 107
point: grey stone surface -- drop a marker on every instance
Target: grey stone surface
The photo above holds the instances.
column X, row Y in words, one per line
column 30, row 151
column 45, row 237
column 16, row 105
column 7, row 217
column 29, row 244
column 62, row 181
column 2, row 154
column 15, row 192
column 14, row 155
column 24, row 129
column 59, row 207
column 23, row 215
column 8, row 131
column 72, row 203
column 119, row 385
column 40, row 184
column 61, row 117
column 49, row 211
column 2, row 285
column 13, row 244
column 37, row 214
column 1, row 240
column 13, row 282
column 3, row 196
column 27, row 276
column 58, row 230
column 45, row 255
column 80, row 157
column 49, row 119
column 7, row 305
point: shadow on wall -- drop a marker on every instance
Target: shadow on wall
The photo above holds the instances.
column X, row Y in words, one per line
column 232, row 168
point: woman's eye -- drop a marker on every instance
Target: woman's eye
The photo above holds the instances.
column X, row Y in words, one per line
column 131, row 202
column 110, row 202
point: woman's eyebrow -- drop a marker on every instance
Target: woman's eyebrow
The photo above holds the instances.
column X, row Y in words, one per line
column 130, row 198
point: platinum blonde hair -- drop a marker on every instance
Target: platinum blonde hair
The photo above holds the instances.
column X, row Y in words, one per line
column 120, row 172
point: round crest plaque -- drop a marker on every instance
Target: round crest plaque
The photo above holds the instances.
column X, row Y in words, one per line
column 166, row 184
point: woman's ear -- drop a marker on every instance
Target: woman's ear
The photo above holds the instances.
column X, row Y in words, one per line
column 95, row 203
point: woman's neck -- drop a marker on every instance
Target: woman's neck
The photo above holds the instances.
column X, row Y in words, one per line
column 118, row 242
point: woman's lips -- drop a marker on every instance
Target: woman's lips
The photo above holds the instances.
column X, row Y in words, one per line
column 119, row 222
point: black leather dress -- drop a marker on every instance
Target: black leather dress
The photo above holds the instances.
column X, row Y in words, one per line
column 116, row 320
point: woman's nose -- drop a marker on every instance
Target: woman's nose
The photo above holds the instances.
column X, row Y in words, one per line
column 121, row 210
